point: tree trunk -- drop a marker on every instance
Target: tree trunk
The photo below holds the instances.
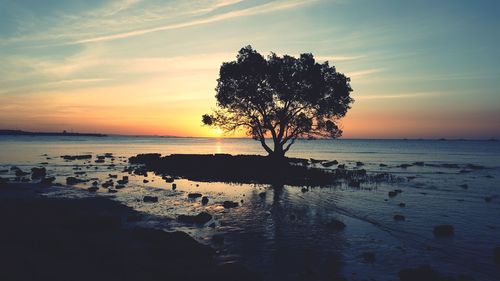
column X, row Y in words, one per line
column 278, row 153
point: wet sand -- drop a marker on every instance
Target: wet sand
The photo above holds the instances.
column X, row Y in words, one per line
column 95, row 239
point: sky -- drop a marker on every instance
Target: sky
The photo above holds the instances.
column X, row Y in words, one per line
column 419, row 69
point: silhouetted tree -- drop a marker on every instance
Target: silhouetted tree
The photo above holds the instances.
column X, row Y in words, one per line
column 280, row 97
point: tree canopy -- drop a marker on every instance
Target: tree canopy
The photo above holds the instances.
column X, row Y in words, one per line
column 283, row 98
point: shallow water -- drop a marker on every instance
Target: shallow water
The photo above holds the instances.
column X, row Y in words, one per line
column 283, row 235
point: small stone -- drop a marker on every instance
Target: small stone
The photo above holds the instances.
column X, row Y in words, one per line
column 444, row 230
column 336, row 225
column 174, row 186
column 194, row 195
column 150, row 199
column 204, row 200
column 399, row 218
column 229, row 204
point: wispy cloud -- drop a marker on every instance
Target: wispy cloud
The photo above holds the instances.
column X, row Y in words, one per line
column 261, row 9
column 400, row 96
column 363, row 73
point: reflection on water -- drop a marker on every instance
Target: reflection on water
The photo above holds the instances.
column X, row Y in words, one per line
column 282, row 232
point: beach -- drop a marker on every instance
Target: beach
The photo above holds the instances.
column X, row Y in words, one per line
column 284, row 232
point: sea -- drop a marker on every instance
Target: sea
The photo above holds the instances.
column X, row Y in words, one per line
column 283, row 233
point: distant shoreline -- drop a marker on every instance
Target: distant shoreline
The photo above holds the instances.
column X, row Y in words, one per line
column 66, row 134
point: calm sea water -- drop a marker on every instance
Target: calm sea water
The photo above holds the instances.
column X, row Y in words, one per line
column 283, row 235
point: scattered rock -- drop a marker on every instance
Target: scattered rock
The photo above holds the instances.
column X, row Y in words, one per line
column 230, row 204
column 113, row 176
column 80, row 173
column 73, row 181
column 204, row 200
column 174, row 186
column 145, row 181
column 399, row 217
column 194, row 195
column 21, row 173
column 99, row 161
column 330, row 163
column 383, row 165
column 120, row 186
column 107, row 184
column 341, row 166
column 368, row 257
column 304, row 189
column 48, row 180
column 359, row 164
column 76, row 157
column 38, row 173
column 122, row 182
column 200, row 218
column 404, row 166
column 93, row 188
column 444, row 230
column 112, row 190
column 101, row 157
column 336, row 225
column 150, row 199
column 168, row 179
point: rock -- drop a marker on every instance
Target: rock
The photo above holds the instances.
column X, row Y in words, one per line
column 21, row 173
column 48, row 180
column 125, row 178
column 336, row 225
column 359, row 164
column 76, row 157
column 145, row 181
column 444, row 230
column 392, row 193
column 112, row 190
column 383, row 165
column 14, row 168
column 113, row 176
column 80, row 173
column 496, row 255
column 101, row 157
column 262, row 195
column 330, row 163
column 168, row 179
column 399, row 217
column 304, row 189
column 200, row 218
column 120, row 186
column 229, row 204
column 418, row 163
column 404, row 166
column 402, row 205
column 95, row 183
column 341, row 166
column 38, row 173
column 99, row 161
column 368, row 257
column 204, row 200
column 108, row 155
column 122, row 182
column 150, row 199
column 174, row 186
column 422, row 273
column 73, row 181
column 93, row 188
column 107, row 184
column 194, row 195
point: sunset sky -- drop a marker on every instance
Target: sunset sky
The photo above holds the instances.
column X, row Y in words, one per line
column 419, row 69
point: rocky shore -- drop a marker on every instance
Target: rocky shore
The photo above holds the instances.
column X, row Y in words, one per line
column 95, row 239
